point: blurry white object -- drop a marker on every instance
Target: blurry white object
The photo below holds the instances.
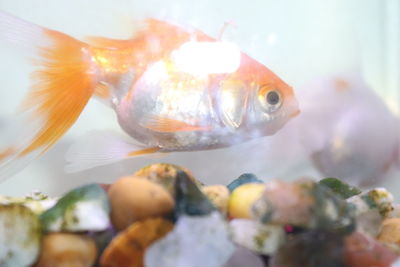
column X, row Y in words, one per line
column 345, row 128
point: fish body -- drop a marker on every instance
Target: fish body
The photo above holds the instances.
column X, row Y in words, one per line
column 362, row 141
column 192, row 113
column 162, row 105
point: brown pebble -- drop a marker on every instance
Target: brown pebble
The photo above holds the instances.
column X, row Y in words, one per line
column 135, row 199
column 67, row 250
column 164, row 174
column 363, row 251
column 128, row 248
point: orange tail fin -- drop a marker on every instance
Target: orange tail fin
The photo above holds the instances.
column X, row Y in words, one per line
column 62, row 85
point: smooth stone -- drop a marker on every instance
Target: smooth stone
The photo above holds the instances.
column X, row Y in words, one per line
column 219, row 196
column 85, row 208
column 259, row 238
column 244, row 257
column 134, row 199
column 196, row 241
column 245, row 178
column 66, row 249
column 189, row 198
column 20, row 234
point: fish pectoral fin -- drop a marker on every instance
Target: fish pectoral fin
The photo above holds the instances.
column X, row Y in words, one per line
column 103, row 91
column 167, row 125
column 102, row 147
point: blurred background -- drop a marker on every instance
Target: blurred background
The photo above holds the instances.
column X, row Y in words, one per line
column 341, row 56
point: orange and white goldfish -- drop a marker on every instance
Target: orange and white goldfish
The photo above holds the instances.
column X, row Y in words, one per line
column 158, row 102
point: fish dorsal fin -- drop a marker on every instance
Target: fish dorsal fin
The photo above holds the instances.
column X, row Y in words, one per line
column 154, row 42
column 103, row 42
column 168, row 31
column 159, row 38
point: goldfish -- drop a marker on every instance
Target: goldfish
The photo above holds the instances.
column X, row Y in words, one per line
column 362, row 141
column 173, row 88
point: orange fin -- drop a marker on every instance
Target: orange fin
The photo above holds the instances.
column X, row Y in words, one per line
column 167, row 125
column 102, row 42
column 62, row 85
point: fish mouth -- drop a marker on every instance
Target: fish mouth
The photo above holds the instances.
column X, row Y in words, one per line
column 294, row 114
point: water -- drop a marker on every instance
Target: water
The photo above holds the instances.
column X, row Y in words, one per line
column 298, row 40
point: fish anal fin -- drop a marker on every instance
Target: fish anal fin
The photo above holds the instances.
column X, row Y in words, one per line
column 168, row 125
column 102, row 147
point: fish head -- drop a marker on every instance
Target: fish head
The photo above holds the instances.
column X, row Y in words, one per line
column 255, row 100
column 271, row 106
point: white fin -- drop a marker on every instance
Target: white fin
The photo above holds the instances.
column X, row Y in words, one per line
column 22, row 33
column 15, row 135
column 98, row 148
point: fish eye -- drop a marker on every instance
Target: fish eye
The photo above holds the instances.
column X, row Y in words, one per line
column 270, row 99
column 273, row 98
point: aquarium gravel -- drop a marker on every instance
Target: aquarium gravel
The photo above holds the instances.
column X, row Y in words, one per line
column 162, row 216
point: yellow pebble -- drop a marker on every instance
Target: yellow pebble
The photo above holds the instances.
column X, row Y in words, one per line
column 243, row 198
column 390, row 232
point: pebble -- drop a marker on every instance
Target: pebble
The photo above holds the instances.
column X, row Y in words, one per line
column 259, row 238
column 134, row 199
column 364, row 251
column 242, row 199
column 128, row 247
column 219, row 196
column 20, row 234
column 245, row 178
column 196, row 241
column 66, row 249
column 189, row 198
column 284, row 203
column 390, row 232
column 244, row 257
column 164, row 174
column 70, row 213
column 314, row 248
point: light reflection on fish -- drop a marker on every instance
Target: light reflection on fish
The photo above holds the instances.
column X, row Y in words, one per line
column 162, row 105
